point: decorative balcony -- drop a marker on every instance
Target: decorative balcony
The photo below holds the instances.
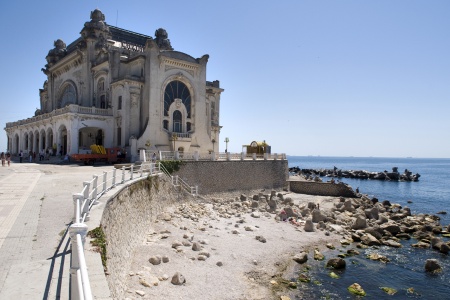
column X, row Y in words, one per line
column 71, row 108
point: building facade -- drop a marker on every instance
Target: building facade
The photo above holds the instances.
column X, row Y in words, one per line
column 118, row 88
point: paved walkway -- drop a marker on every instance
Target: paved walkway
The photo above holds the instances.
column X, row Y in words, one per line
column 36, row 208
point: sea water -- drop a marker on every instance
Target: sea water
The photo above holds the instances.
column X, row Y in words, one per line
column 405, row 271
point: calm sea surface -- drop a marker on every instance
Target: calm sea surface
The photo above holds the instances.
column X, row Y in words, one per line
column 431, row 194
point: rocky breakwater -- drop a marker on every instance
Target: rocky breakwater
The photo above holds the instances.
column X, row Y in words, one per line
column 367, row 223
column 407, row 175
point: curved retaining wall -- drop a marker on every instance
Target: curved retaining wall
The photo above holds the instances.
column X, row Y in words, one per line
column 126, row 220
column 321, row 188
column 224, row 176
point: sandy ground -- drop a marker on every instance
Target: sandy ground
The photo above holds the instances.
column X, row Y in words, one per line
column 237, row 265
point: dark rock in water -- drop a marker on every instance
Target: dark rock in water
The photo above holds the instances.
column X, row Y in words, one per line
column 432, row 265
column 386, row 203
column 336, row 263
column 442, row 213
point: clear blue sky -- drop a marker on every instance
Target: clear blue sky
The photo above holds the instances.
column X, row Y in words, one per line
column 330, row 78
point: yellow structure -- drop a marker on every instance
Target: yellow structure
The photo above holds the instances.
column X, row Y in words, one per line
column 257, row 147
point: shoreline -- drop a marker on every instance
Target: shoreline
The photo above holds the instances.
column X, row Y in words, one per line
column 245, row 252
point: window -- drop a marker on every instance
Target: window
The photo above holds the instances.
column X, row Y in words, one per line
column 177, row 127
column 102, row 101
column 188, row 126
column 177, row 90
column 68, row 96
column 119, row 103
column 166, row 125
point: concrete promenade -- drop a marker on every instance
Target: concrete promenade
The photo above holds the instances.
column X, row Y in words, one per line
column 36, row 208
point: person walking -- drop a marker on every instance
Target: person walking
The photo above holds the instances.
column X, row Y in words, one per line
column 8, row 158
column 3, row 158
column 20, row 156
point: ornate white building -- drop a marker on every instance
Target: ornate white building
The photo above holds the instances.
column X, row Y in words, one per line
column 114, row 87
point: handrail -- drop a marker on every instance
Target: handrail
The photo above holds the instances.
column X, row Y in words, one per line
column 215, row 156
column 92, row 191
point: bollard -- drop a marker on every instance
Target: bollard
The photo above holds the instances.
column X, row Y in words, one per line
column 123, row 174
column 94, row 189
column 131, row 170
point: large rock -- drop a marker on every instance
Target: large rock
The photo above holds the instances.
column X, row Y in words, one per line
column 317, row 216
column 301, row 257
column 360, row 223
column 432, row 265
column 309, row 226
column 391, row 228
column 369, row 240
column 336, row 263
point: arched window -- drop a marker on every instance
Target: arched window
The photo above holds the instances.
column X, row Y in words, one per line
column 68, row 96
column 177, row 90
column 177, row 127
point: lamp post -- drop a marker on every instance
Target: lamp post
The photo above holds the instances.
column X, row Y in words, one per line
column 226, row 144
column 174, row 138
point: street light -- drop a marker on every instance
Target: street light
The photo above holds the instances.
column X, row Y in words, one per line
column 174, row 138
column 226, row 143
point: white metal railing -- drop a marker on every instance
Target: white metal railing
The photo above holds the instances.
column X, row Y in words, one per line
column 178, row 182
column 92, row 191
column 215, row 156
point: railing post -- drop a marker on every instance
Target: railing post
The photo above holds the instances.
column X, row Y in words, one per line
column 86, row 185
column 254, row 156
column 266, row 155
column 74, row 229
column 77, row 202
column 275, row 156
column 213, row 156
column 141, row 170
column 228, row 156
column 131, row 170
column 177, row 155
column 94, row 189
column 123, row 174
column 196, row 155
column 242, row 155
column 104, row 181
column 113, row 178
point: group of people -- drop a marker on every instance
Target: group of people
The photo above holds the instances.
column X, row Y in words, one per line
column 5, row 157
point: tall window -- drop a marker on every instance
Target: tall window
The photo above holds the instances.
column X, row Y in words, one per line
column 102, row 101
column 177, row 121
column 177, row 90
column 68, row 96
column 119, row 103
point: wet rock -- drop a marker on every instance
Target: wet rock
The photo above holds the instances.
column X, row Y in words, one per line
column 336, row 263
column 378, row 257
column 356, row 289
column 432, row 266
column 369, row 240
column 318, row 255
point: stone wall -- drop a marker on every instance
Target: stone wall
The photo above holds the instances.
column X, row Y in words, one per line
column 224, row 176
column 127, row 219
column 321, row 188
